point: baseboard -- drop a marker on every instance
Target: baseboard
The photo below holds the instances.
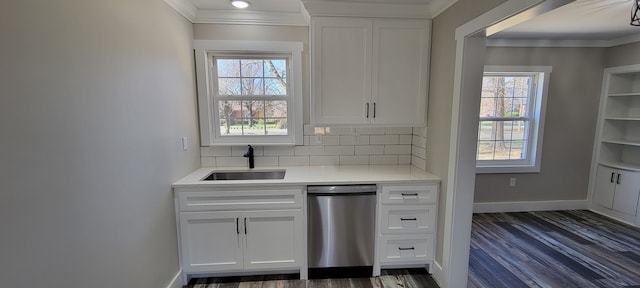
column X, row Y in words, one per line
column 436, row 273
column 496, row 207
column 176, row 282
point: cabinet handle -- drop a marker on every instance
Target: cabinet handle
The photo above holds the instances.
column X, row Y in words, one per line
column 238, row 226
column 245, row 226
column 409, row 194
column 408, row 248
column 408, row 219
column 374, row 109
column 613, row 174
column 367, row 109
column 618, row 180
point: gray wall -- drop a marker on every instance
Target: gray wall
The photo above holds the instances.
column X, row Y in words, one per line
column 443, row 54
column 623, row 55
column 96, row 96
column 572, row 111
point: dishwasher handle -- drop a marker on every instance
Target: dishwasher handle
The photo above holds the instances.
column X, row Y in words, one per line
column 341, row 189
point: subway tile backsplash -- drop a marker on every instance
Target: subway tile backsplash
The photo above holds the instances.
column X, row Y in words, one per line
column 330, row 146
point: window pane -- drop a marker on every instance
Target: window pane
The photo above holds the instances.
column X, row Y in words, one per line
column 252, row 68
column 275, row 86
column 252, row 86
column 505, row 96
column 229, row 86
column 275, row 68
column 228, row 67
column 230, row 113
column 276, row 126
column 502, row 140
column 276, row 109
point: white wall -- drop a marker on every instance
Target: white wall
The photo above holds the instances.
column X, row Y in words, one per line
column 95, row 97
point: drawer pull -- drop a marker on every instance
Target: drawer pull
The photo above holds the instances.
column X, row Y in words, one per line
column 410, row 194
column 407, row 248
column 408, row 219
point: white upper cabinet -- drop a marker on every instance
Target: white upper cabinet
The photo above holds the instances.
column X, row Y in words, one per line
column 369, row 71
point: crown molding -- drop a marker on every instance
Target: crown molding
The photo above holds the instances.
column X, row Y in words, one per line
column 563, row 43
column 438, row 6
column 251, row 17
column 360, row 9
column 184, row 7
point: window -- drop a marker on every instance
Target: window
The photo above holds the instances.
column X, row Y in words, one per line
column 511, row 115
column 249, row 92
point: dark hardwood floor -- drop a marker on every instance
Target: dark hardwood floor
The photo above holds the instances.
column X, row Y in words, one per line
column 399, row 278
column 553, row 249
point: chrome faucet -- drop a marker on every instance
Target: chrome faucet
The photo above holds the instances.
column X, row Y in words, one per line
column 249, row 154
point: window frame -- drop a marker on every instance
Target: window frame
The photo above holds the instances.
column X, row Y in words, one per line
column 205, row 53
column 536, row 112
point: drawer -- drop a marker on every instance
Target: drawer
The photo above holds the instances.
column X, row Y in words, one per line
column 240, row 199
column 407, row 219
column 419, row 194
column 406, row 249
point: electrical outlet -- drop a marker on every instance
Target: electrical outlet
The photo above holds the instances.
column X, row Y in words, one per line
column 512, row 182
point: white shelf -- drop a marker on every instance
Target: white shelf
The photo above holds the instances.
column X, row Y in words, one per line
column 620, row 165
column 623, row 118
column 624, row 94
column 631, row 142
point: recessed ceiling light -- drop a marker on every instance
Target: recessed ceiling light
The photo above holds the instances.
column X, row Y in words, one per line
column 240, row 4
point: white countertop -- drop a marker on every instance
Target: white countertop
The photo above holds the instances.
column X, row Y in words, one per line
column 317, row 175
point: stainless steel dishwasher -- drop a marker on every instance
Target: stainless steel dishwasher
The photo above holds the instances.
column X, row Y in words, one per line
column 341, row 225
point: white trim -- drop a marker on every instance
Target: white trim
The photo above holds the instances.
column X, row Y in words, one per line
column 461, row 175
column 496, row 207
column 176, row 281
column 563, row 43
column 367, row 9
column 251, row 17
column 436, row 273
column 537, row 108
column 203, row 47
column 184, row 7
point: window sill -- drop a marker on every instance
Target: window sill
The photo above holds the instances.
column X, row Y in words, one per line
column 507, row 169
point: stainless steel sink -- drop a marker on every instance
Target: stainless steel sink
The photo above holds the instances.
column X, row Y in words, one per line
column 245, row 175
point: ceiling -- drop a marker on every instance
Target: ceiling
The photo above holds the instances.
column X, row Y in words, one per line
column 296, row 12
column 580, row 23
column 583, row 21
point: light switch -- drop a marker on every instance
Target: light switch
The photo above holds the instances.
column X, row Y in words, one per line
column 185, row 144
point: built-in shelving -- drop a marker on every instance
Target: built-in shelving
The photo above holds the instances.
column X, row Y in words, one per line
column 617, row 146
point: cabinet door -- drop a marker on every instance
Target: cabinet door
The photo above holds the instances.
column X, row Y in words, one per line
column 627, row 189
column 400, row 59
column 605, row 185
column 210, row 241
column 341, row 64
column 272, row 239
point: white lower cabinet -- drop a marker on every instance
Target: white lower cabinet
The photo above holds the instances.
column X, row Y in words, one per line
column 272, row 239
column 261, row 233
column 406, row 249
column 617, row 190
column 210, row 241
column 407, row 225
